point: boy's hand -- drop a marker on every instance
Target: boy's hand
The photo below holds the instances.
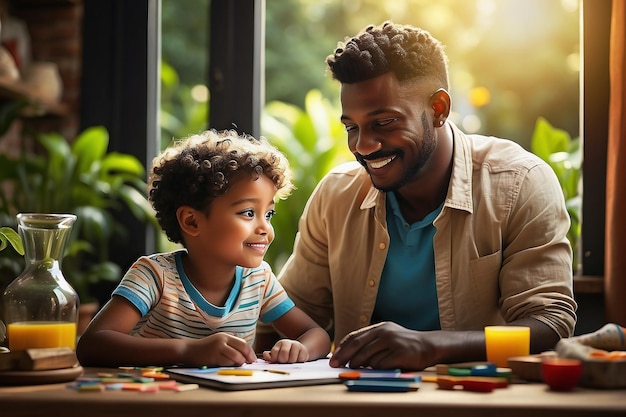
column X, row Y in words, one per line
column 287, row 351
column 220, row 349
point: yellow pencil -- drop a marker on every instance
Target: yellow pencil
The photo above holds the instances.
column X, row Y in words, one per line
column 237, row 372
column 276, row 371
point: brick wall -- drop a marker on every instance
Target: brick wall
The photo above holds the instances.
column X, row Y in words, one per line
column 55, row 28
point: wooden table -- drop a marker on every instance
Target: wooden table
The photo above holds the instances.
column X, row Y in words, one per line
column 527, row 399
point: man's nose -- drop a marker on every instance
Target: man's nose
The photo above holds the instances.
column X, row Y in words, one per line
column 367, row 142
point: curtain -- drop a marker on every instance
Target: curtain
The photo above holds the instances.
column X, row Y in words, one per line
column 615, row 235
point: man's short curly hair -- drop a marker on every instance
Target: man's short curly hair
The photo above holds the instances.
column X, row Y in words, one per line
column 407, row 51
column 196, row 170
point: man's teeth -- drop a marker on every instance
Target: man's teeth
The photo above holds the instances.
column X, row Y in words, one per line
column 380, row 164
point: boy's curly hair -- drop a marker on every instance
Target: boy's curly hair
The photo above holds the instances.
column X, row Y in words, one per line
column 196, row 170
column 407, row 51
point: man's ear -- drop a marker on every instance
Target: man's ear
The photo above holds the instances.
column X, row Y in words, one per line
column 440, row 103
column 187, row 220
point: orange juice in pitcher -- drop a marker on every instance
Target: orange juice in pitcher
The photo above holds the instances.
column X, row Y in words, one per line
column 26, row 335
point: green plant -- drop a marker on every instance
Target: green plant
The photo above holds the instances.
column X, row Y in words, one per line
column 10, row 236
column 564, row 155
column 181, row 114
column 83, row 179
column 313, row 139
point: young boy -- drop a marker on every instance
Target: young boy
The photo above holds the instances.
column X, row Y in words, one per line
column 214, row 193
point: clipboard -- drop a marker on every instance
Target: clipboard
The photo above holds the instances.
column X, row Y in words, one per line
column 263, row 375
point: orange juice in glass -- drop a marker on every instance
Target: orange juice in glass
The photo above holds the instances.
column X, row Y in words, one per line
column 504, row 342
column 41, row 334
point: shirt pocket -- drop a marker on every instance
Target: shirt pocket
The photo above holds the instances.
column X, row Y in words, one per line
column 485, row 287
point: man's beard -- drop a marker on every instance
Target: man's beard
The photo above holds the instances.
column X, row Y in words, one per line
column 428, row 147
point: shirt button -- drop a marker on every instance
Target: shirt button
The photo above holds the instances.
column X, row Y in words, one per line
column 407, row 226
column 382, row 245
column 371, row 283
column 363, row 319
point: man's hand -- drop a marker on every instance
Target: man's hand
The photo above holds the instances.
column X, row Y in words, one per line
column 386, row 346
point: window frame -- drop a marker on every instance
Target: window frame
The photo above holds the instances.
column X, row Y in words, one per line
column 595, row 94
column 119, row 73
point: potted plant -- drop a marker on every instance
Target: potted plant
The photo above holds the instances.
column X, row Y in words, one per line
column 84, row 179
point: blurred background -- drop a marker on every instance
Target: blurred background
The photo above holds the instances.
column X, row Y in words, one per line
column 512, row 62
column 514, row 72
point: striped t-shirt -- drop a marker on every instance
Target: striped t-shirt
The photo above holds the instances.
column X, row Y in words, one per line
column 171, row 307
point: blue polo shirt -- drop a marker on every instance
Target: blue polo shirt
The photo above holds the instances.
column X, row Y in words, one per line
column 407, row 293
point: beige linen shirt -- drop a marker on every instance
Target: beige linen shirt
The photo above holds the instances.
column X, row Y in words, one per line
column 501, row 251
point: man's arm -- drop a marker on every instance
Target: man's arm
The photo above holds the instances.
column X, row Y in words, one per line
column 389, row 346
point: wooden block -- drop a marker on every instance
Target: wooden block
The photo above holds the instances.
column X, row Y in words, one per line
column 527, row 368
column 38, row 359
column 442, row 368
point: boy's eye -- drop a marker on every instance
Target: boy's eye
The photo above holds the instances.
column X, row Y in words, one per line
column 350, row 128
column 247, row 213
column 270, row 214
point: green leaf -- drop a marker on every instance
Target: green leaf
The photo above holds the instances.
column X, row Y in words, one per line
column 8, row 235
column 136, row 203
column 313, row 140
column 169, row 76
column 547, row 140
column 104, row 271
column 59, row 165
column 124, row 165
column 90, row 147
column 95, row 223
column 564, row 155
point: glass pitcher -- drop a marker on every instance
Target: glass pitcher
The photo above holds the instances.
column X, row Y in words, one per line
column 40, row 306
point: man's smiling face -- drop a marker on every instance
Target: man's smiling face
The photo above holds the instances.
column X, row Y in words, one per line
column 388, row 129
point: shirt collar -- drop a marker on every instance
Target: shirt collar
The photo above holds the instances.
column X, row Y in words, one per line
column 460, row 189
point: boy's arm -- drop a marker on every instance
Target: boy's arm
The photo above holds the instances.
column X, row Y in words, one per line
column 297, row 325
column 266, row 337
column 107, row 342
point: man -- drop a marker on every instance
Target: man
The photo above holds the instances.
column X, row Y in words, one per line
column 406, row 256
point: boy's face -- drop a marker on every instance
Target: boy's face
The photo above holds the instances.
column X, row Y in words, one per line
column 237, row 230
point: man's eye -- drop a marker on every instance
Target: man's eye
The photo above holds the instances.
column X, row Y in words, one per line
column 385, row 122
column 247, row 213
column 270, row 214
column 350, row 128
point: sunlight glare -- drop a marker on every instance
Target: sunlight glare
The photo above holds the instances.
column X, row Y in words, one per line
column 396, row 9
column 479, row 96
column 573, row 61
column 485, row 8
column 352, row 5
column 569, row 5
column 200, row 93
column 471, row 123
column 438, row 17
column 464, row 80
